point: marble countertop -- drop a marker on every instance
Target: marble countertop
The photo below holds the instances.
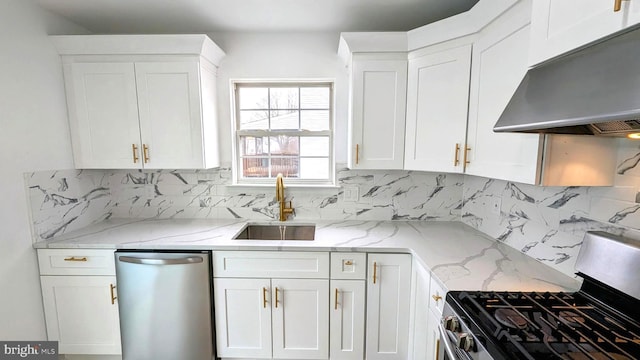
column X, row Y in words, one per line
column 459, row 256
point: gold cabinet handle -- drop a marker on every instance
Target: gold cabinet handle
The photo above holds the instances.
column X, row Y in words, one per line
column 134, row 148
column 264, row 297
column 145, row 153
column 113, row 297
column 617, row 5
column 73, row 258
column 456, row 159
column 466, row 155
column 375, row 271
column 437, row 348
column 436, row 297
column 335, row 305
column 348, row 262
column 357, row 153
column 277, row 301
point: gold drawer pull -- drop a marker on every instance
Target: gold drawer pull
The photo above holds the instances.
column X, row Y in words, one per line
column 113, row 297
column 335, row 306
column 348, row 262
column 277, row 301
column 357, row 153
column 456, row 159
column 436, row 297
column 73, row 258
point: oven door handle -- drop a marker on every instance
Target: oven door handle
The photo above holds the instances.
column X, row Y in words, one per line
column 447, row 344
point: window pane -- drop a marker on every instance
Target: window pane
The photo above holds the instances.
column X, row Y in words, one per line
column 314, row 168
column 314, row 120
column 253, row 98
column 284, row 98
column 254, row 119
column 255, row 167
column 285, row 119
column 285, row 145
column 287, row 166
column 314, row 146
column 250, row 145
column 314, row 98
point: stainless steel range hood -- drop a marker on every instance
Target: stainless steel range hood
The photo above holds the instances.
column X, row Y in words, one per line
column 595, row 91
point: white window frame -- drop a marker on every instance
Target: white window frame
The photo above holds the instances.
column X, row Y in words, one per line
column 236, row 132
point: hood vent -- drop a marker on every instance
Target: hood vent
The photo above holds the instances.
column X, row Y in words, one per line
column 595, row 91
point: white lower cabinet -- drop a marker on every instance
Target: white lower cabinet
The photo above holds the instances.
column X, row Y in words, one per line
column 243, row 317
column 260, row 313
column 433, row 336
column 419, row 347
column 279, row 318
column 346, row 319
column 388, row 298
column 81, row 311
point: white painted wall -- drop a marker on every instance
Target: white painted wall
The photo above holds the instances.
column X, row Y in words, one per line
column 34, row 135
column 281, row 56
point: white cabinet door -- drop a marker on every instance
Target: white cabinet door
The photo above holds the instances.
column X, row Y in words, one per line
column 81, row 314
column 561, row 26
column 103, row 115
column 433, row 338
column 419, row 347
column 388, row 293
column 170, row 114
column 379, row 90
column 300, row 318
column 346, row 322
column 499, row 64
column 437, row 109
column 243, row 317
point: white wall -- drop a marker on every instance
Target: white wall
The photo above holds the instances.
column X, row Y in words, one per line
column 34, row 135
column 281, row 56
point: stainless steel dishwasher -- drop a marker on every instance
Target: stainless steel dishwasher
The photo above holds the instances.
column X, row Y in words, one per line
column 164, row 300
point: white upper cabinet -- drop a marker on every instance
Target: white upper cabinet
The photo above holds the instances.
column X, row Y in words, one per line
column 499, row 64
column 561, row 26
column 379, row 93
column 103, row 114
column 141, row 101
column 378, row 97
column 437, row 109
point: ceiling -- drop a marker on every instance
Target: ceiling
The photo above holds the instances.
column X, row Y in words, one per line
column 203, row 16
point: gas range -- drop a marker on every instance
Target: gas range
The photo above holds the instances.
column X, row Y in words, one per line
column 600, row 321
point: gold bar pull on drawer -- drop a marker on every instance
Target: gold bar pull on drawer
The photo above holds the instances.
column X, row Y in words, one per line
column 617, row 5
column 436, row 297
column 73, row 258
column 335, row 305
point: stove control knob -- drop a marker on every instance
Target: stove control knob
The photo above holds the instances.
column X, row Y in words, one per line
column 452, row 323
column 465, row 342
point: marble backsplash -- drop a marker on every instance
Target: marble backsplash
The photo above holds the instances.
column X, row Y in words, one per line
column 546, row 223
column 63, row 201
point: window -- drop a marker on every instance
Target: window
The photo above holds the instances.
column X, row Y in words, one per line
column 284, row 127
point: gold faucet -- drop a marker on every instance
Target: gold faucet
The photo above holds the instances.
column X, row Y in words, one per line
column 284, row 210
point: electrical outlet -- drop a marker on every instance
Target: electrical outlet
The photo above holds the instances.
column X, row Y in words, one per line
column 496, row 203
column 350, row 193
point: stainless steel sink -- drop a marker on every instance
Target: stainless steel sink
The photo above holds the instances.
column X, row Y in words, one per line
column 277, row 232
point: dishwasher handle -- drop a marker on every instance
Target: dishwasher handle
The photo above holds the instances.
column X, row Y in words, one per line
column 144, row 261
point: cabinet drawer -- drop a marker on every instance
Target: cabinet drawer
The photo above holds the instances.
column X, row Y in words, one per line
column 271, row 264
column 76, row 262
column 348, row 266
column 437, row 293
